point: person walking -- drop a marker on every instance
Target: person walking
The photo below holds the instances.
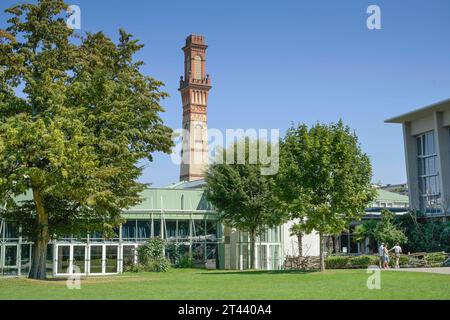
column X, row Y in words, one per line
column 381, row 255
column 386, row 258
column 397, row 251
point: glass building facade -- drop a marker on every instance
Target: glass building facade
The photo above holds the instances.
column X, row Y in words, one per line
column 94, row 255
column 183, row 218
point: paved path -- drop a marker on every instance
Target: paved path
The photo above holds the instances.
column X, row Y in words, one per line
column 443, row 270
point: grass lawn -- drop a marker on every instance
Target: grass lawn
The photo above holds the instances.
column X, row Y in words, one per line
column 204, row 285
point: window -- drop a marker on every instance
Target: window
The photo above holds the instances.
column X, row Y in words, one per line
column 96, row 259
column 129, row 256
column 79, row 259
column 129, row 230
column 198, row 68
column 183, row 229
column 10, row 256
column 198, row 230
column 156, row 228
column 171, row 229
column 211, row 231
column 63, row 259
column 198, row 133
column 25, row 257
column 144, row 229
column 111, row 259
column 11, row 231
column 428, row 172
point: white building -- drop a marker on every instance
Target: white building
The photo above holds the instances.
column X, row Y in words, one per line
column 427, row 152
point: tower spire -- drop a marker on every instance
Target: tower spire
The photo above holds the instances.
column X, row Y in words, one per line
column 194, row 89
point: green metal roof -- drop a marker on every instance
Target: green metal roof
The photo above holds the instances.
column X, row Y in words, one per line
column 185, row 200
column 161, row 199
column 173, row 200
column 384, row 195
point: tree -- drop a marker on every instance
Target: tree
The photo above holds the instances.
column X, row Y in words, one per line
column 299, row 230
column 386, row 231
column 241, row 194
column 365, row 231
column 324, row 179
column 425, row 235
column 76, row 117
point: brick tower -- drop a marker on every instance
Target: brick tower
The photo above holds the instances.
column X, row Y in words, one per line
column 194, row 89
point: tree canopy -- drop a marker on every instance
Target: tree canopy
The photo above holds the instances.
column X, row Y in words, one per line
column 76, row 117
column 386, row 231
column 324, row 178
column 242, row 194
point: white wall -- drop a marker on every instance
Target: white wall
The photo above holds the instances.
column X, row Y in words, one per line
column 311, row 246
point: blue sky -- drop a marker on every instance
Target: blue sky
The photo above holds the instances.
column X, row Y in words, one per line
column 277, row 62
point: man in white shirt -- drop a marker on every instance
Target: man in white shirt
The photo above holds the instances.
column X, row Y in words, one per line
column 397, row 250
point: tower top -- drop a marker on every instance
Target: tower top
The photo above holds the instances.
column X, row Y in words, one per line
column 195, row 40
column 195, row 74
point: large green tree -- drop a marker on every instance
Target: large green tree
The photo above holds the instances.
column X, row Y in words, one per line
column 386, row 231
column 324, row 179
column 76, row 117
column 242, row 194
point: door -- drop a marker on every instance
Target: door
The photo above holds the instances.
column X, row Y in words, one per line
column 103, row 259
column 96, row 259
column 111, row 259
column 78, row 259
column 10, row 256
column 10, row 260
column 63, row 259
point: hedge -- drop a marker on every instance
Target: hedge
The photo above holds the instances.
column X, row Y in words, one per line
column 350, row 262
column 364, row 261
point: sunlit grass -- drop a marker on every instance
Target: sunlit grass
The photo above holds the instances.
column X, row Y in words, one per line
column 202, row 284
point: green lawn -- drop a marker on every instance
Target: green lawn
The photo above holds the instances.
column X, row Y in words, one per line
column 202, row 284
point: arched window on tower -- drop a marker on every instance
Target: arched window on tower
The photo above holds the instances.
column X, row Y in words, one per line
column 198, row 135
column 198, row 68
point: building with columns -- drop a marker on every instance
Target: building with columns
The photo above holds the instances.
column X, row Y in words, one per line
column 426, row 134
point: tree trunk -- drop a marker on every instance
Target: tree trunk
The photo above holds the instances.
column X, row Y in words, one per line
column 39, row 259
column 252, row 250
column 300, row 244
column 322, row 252
column 329, row 244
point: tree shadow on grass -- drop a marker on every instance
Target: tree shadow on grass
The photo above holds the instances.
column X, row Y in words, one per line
column 259, row 272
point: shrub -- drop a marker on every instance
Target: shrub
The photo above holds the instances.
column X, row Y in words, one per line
column 337, row 262
column 405, row 261
column 135, row 268
column 151, row 257
column 179, row 255
column 436, row 259
column 158, row 265
column 363, row 261
column 185, row 262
